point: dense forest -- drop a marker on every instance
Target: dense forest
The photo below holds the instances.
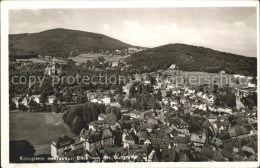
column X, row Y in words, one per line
column 79, row 116
column 61, row 43
column 192, row 58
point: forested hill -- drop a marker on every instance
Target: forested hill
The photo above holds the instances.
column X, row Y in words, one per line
column 61, row 42
column 193, row 58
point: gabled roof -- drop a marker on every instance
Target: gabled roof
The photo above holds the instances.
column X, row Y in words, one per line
column 211, row 116
column 165, row 144
column 129, row 138
column 142, row 134
column 217, row 156
column 207, row 152
column 224, row 135
column 155, row 141
column 182, row 146
column 227, row 154
column 52, row 97
column 198, row 138
column 168, row 155
column 102, row 115
column 152, row 121
column 177, row 139
column 76, row 152
column 63, row 141
column 90, row 135
column 184, row 158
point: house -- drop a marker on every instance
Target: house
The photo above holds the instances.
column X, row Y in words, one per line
column 155, row 141
column 195, row 105
column 50, row 69
column 158, row 86
column 216, row 141
column 182, row 146
column 51, row 99
column 172, row 66
column 248, row 149
column 212, row 118
column 96, row 101
column 142, row 136
column 60, row 145
column 126, row 88
column 171, row 86
column 35, row 98
column 183, row 100
column 147, row 82
column 225, row 110
column 184, row 157
column 106, row 100
column 115, row 64
column 16, row 101
column 152, row 156
column 237, row 131
column 168, row 155
column 152, row 121
column 203, row 107
column 91, row 138
column 102, row 116
column 25, row 102
column 180, row 125
column 107, row 138
column 207, row 153
column 147, row 142
column 174, row 103
column 198, row 139
column 128, row 140
column 136, row 114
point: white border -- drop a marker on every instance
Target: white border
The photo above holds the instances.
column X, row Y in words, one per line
column 6, row 5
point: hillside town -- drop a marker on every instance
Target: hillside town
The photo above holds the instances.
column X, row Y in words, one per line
column 149, row 118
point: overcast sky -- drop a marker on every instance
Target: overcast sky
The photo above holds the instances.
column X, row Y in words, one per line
column 224, row 29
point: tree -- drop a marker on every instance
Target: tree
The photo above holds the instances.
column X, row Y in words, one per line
column 60, row 98
column 120, row 89
column 44, row 107
column 20, row 148
column 43, row 97
column 195, row 126
column 77, row 125
column 159, row 95
column 119, row 98
column 152, row 80
column 127, row 103
column 169, row 93
column 95, row 111
column 12, row 105
column 81, row 98
column 55, row 108
column 152, row 102
column 132, row 91
column 67, row 96
column 22, row 107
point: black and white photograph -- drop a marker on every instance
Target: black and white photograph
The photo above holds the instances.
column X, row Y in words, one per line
column 121, row 83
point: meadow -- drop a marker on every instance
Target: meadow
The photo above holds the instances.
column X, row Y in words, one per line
column 91, row 56
column 40, row 129
column 84, row 57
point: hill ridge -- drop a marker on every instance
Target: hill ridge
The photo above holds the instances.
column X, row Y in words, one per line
column 61, row 42
column 192, row 58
